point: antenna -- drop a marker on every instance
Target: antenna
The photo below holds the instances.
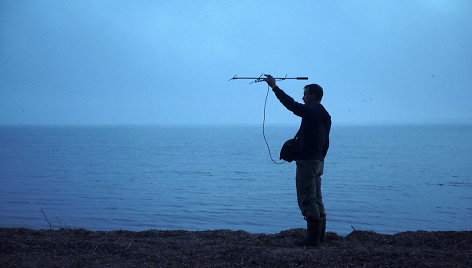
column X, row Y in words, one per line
column 261, row 79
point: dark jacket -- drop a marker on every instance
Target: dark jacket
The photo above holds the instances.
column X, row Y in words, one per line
column 314, row 129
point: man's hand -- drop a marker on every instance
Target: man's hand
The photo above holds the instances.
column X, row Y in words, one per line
column 270, row 80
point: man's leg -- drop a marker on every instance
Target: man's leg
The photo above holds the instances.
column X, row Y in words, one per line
column 306, row 177
column 319, row 165
column 319, row 200
column 306, row 188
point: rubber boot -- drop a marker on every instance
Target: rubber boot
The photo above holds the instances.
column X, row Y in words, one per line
column 313, row 231
column 323, row 229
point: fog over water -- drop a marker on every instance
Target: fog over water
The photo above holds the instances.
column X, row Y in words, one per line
column 168, row 62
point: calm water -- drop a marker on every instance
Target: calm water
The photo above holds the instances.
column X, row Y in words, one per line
column 386, row 179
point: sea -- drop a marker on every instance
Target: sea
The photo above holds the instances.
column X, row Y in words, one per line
column 384, row 178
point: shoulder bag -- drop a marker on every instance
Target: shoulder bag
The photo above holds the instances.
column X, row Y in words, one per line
column 289, row 149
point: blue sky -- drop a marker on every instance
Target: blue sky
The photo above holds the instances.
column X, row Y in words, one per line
column 168, row 62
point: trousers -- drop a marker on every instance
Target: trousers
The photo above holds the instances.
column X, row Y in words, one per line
column 308, row 181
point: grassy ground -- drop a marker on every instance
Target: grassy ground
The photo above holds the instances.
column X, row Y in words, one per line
column 224, row 248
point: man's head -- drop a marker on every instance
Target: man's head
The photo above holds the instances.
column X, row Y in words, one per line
column 312, row 94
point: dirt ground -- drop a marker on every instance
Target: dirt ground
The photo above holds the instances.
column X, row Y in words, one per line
column 21, row 247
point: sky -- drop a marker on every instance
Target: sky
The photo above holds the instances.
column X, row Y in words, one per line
column 168, row 62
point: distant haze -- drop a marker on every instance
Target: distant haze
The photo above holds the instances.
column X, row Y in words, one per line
column 168, row 62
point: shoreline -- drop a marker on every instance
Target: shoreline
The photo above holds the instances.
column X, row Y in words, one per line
column 223, row 248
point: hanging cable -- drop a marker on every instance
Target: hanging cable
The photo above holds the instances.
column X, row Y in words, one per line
column 263, row 129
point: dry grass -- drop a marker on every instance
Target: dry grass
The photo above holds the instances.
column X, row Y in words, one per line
column 224, row 248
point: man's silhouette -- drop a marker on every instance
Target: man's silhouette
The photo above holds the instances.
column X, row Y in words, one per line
column 313, row 137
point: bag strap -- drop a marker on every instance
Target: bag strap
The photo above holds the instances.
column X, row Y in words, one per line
column 298, row 132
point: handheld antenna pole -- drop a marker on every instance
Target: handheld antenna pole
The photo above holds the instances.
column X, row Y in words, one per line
column 261, row 79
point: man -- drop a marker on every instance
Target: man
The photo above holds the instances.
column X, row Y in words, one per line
column 313, row 139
